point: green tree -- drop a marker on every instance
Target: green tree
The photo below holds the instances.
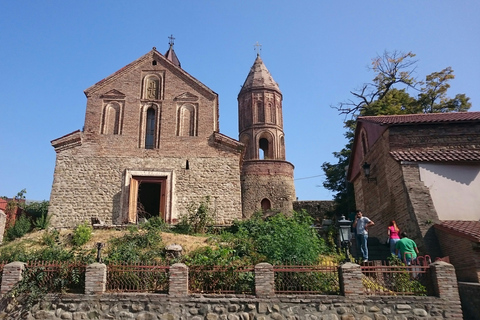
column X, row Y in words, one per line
column 387, row 95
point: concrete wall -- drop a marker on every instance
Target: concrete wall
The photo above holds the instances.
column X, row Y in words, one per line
column 454, row 189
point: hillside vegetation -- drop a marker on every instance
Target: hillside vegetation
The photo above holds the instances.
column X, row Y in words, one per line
column 279, row 239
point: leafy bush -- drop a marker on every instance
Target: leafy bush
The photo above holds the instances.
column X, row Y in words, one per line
column 82, row 234
column 197, row 218
column 21, row 227
column 155, row 223
column 42, row 222
column 50, row 238
column 283, row 239
column 36, row 209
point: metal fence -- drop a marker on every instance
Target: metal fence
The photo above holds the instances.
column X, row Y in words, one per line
column 381, row 278
column 220, row 280
column 306, row 279
column 140, row 277
column 56, row 276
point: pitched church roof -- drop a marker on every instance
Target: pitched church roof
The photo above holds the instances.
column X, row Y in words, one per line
column 259, row 77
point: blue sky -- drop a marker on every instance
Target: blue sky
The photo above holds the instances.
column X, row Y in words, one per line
column 318, row 51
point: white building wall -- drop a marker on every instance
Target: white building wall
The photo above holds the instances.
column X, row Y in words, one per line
column 455, row 190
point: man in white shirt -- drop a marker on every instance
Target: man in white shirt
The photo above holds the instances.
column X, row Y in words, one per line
column 361, row 225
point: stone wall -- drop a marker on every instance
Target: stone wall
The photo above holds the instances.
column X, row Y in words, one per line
column 267, row 179
column 265, row 305
column 318, row 210
column 233, row 307
column 93, row 186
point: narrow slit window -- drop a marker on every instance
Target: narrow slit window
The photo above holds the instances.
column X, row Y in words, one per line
column 150, row 129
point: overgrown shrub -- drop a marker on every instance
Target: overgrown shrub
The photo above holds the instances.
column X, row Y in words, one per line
column 155, row 223
column 197, row 218
column 21, row 227
column 82, row 234
column 50, row 238
column 42, row 222
column 135, row 247
column 282, row 239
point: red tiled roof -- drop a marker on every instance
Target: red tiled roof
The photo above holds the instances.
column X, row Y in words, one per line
column 465, row 229
column 422, row 118
column 443, row 155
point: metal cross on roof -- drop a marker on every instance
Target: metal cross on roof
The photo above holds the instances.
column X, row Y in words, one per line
column 258, row 47
column 171, row 38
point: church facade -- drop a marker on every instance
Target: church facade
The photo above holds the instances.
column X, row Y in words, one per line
column 151, row 146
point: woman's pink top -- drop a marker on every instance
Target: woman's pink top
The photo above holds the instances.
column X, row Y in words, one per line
column 393, row 233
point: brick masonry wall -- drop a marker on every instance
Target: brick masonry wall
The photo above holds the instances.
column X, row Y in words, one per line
column 470, row 297
column 434, row 136
column 462, row 255
column 90, row 166
column 397, row 194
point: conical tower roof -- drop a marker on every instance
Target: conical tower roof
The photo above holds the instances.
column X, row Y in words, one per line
column 259, row 77
column 170, row 54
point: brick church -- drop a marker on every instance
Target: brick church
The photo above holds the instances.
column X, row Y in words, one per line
column 151, row 146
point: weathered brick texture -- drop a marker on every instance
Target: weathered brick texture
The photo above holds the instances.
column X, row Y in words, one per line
column 94, row 168
column 462, row 255
column 264, row 280
column 95, row 278
column 12, row 274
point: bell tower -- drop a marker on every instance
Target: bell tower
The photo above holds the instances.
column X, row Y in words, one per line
column 267, row 178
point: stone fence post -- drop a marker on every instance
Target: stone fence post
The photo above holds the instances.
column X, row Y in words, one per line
column 178, row 285
column 95, row 278
column 350, row 277
column 264, row 280
column 12, row 274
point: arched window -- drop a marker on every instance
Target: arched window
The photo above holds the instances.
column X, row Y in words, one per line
column 282, row 147
column 186, row 121
column 260, row 112
column 266, row 205
column 111, row 119
column 150, row 129
column 364, row 143
column 263, row 149
column 271, row 107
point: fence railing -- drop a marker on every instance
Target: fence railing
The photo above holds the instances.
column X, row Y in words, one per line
column 378, row 278
column 137, row 278
column 312, row 279
column 386, row 279
column 219, row 280
column 57, row 276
